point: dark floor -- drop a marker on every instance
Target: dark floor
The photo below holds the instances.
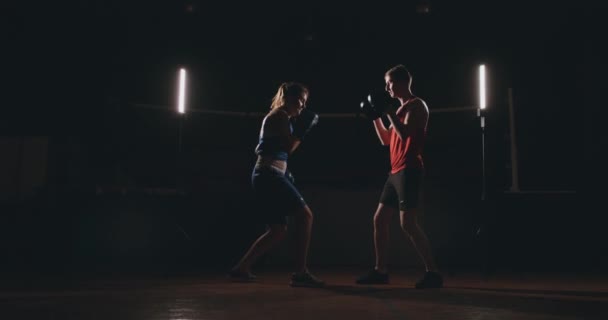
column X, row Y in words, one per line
column 209, row 296
column 128, row 257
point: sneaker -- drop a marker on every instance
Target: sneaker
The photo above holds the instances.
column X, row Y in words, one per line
column 305, row 279
column 430, row 280
column 240, row 276
column 373, row 277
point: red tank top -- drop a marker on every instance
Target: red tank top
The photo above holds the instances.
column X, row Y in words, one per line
column 406, row 153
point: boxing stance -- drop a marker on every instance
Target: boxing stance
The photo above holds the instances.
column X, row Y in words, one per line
column 405, row 138
column 283, row 129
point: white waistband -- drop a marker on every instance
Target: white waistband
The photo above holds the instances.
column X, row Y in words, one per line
column 274, row 164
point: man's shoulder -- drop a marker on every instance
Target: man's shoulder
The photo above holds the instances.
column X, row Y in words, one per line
column 418, row 104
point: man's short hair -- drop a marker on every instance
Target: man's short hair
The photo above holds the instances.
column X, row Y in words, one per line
column 399, row 73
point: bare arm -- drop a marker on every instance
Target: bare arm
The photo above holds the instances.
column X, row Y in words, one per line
column 416, row 118
column 277, row 124
column 383, row 133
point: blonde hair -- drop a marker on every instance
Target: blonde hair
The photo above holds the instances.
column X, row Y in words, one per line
column 288, row 90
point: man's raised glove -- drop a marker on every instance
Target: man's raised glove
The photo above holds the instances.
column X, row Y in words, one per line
column 372, row 108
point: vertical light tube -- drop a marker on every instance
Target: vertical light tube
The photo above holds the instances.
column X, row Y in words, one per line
column 482, row 87
column 181, row 100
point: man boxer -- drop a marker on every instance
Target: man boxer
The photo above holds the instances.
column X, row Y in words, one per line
column 283, row 129
column 405, row 138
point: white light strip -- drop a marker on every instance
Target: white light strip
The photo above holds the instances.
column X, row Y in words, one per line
column 181, row 102
column 482, row 87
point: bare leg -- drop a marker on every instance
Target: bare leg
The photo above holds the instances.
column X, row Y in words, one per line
column 409, row 224
column 273, row 235
column 303, row 227
column 382, row 219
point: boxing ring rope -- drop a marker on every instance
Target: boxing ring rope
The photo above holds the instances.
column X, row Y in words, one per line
column 262, row 114
column 514, row 188
column 259, row 115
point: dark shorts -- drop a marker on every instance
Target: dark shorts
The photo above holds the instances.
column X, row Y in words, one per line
column 275, row 196
column 403, row 189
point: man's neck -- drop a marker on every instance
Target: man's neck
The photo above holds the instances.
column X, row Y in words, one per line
column 406, row 98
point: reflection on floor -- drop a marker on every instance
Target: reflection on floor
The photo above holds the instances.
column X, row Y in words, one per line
column 210, row 296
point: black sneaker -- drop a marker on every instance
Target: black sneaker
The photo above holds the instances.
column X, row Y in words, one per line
column 240, row 276
column 305, row 279
column 373, row 277
column 430, row 280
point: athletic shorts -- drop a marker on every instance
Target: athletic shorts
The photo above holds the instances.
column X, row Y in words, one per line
column 403, row 189
column 275, row 195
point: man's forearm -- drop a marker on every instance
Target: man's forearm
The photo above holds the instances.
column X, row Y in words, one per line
column 381, row 131
column 399, row 126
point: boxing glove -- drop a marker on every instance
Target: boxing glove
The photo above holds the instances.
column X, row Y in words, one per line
column 369, row 110
column 374, row 106
column 379, row 101
column 303, row 123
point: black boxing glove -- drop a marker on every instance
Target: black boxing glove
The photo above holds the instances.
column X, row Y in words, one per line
column 379, row 102
column 302, row 124
column 373, row 107
column 369, row 110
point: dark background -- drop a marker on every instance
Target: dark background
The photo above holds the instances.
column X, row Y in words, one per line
column 94, row 174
